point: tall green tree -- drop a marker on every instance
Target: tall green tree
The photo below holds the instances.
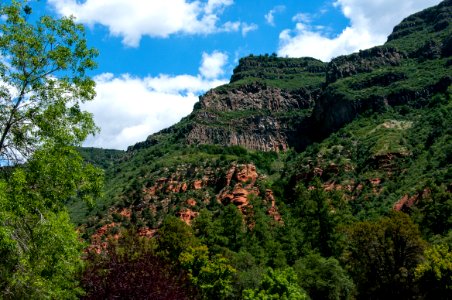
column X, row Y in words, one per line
column 315, row 210
column 434, row 274
column 174, row 237
column 43, row 80
column 277, row 284
column 323, row 278
column 233, row 226
column 381, row 256
column 213, row 276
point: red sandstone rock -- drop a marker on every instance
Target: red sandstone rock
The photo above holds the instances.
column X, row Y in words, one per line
column 125, row 212
column 191, row 202
column 405, row 202
column 273, row 210
column 187, row 215
column 197, row 184
column 247, row 174
column 146, row 232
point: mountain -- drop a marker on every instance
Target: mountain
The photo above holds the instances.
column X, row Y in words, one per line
column 365, row 134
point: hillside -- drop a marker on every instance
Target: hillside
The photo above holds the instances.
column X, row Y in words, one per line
column 308, row 154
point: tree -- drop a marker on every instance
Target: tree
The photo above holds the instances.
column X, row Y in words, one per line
column 174, row 237
column 315, row 209
column 434, row 274
column 43, row 80
column 434, row 210
column 213, row 276
column 41, row 261
column 129, row 269
column 233, row 225
column 381, row 256
column 208, row 230
column 277, row 284
column 323, row 278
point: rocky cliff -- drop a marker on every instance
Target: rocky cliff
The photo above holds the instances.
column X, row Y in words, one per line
column 255, row 116
column 272, row 104
column 377, row 116
column 265, row 107
column 412, row 66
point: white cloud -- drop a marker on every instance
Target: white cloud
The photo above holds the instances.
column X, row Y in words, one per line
column 231, row 26
column 370, row 24
column 133, row 19
column 128, row 109
column 248, row 28
column 270, row 18
column 212, row 64
column 302, row 17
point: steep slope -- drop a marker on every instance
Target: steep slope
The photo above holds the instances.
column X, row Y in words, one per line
column 389, row 96
column 265, row 107
column 413, row 65
column 297, row 169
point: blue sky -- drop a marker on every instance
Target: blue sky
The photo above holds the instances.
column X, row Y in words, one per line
column 158, row 56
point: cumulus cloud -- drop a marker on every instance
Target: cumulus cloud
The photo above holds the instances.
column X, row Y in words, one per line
column 128, row 108
column 248, row 28
column 302, row 17
column 270, row 18
column 133, row 19
column 370, row 24
column 212, row 64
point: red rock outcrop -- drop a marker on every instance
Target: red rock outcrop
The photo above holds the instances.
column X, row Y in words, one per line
column 191, row 202
column 187, row 215
column 273, row 210
column 126, row 213
column 237, row 196
column 197, row 184
column 405, row 202
column 246, row 176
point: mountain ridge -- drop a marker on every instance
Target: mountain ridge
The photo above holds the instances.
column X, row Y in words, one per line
column 295, row 164
column 274, row 103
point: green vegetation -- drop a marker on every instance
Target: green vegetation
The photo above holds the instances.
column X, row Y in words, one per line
column 102, row 158
column 283, row 73
column 40, row 250
column 362, row 209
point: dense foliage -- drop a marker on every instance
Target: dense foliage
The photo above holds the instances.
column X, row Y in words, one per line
column 43, row 81
column 362, row 212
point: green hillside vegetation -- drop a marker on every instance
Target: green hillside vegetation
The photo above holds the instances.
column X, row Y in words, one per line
column 283, row 73
column 363, row 206
column 102, row 158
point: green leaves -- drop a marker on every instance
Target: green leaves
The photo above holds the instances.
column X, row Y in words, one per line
column 214, row 276
column 41, row 250
column 381, row 256
column 323, row 278
column 42, row 82
column 435, row 273
column 277, row 284
column 43, row 79
column 40, row 256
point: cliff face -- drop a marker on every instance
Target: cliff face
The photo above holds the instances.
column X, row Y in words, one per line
column 257, row 96
column 255, row 116
column 272, row 104
column 264, row 108
column 412, row 66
